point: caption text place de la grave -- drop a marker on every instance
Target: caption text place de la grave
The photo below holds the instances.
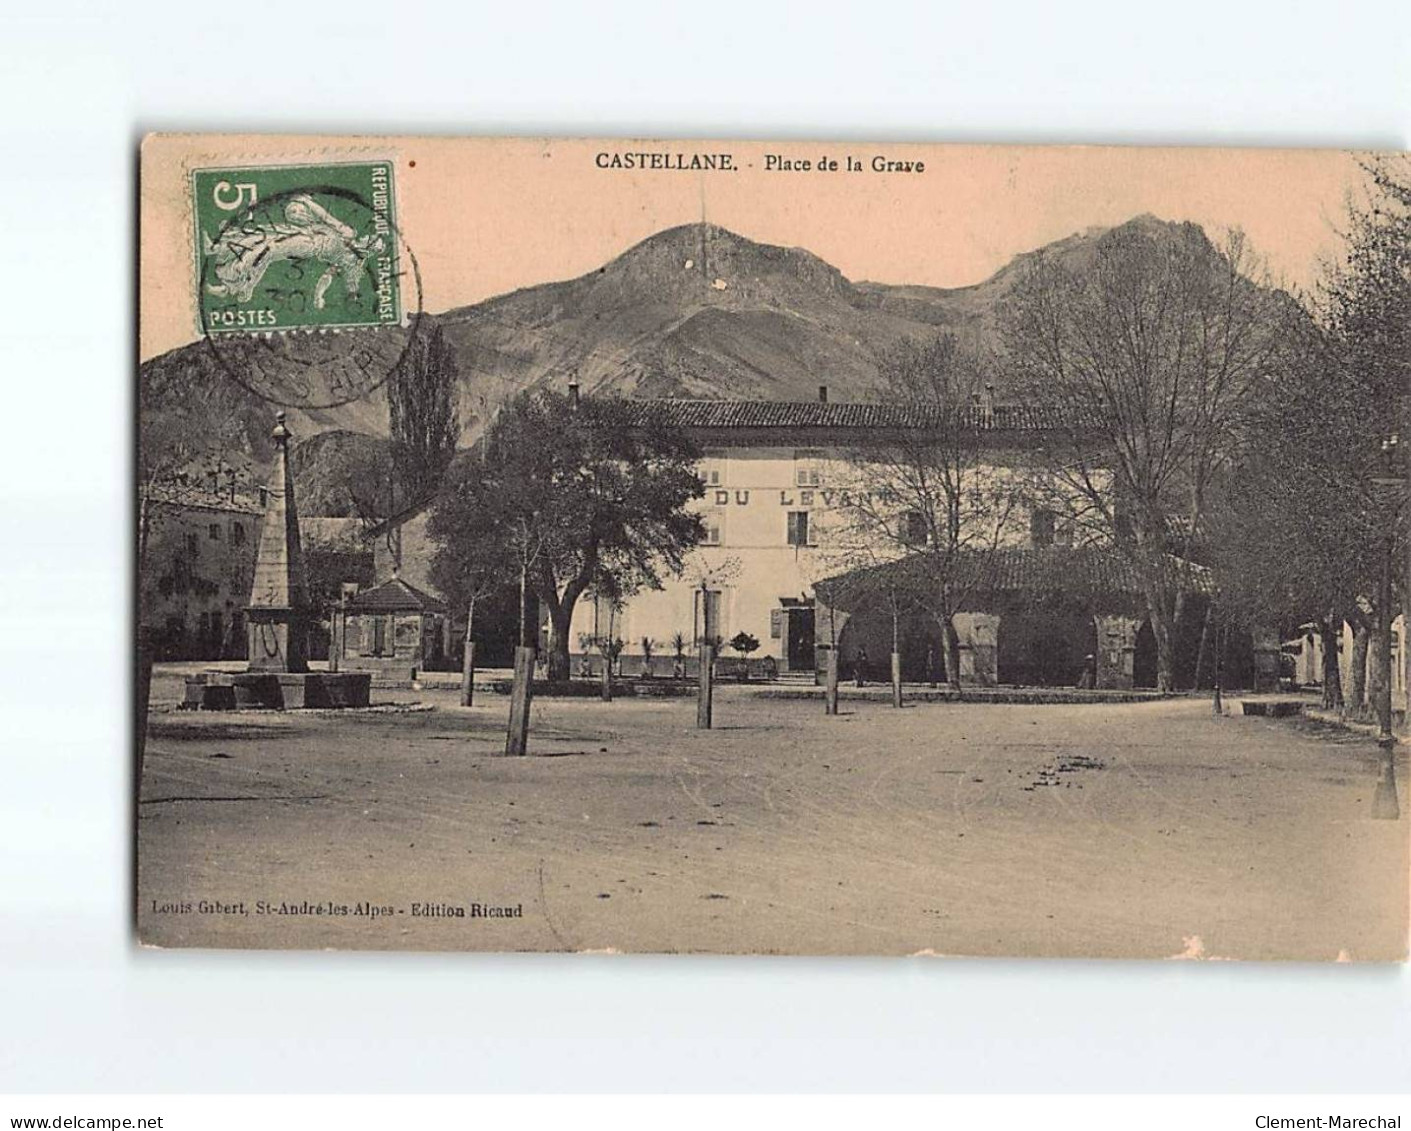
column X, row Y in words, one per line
column 663, row 161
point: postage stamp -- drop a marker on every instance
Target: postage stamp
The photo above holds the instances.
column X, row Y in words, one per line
column 293, row 247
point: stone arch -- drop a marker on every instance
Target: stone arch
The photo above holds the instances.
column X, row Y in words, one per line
column 1046, row 646
column 1144, row 659
column 871, row 629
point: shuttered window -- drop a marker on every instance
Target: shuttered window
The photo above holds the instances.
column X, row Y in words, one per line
column 798, row 528
column 913, row 528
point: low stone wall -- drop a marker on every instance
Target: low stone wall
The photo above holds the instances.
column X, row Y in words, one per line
column 593, row 688
column 881, row 692
column 225, row 691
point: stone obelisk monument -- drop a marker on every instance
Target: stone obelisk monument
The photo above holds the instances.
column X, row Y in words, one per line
column 277, row 618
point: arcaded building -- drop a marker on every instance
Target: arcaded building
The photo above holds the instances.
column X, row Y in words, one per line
column 782, row 561
column 1038, row 602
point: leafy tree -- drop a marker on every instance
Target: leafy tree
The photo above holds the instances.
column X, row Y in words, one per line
column 421, row 409
column 744, row 643
column 580, row 496
column 1148, row 353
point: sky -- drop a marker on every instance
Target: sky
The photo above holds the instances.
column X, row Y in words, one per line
column 487, row 216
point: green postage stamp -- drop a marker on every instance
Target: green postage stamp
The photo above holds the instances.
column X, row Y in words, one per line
column 295, row 247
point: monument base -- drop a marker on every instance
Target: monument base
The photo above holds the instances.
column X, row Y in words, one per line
column 280, row 691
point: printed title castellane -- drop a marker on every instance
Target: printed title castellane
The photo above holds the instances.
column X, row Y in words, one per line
column 725, row 162
column 773, row 163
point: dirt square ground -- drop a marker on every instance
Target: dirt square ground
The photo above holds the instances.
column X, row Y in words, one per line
column 1143, row 830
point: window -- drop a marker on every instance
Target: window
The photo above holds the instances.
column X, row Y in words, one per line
column 806, row 468
column 372, row 634
column 713, row 468
column 237, row 533
column 798, row 528
column 1041, row 522
column 193, row 545
column 913, row 528
column 712, row 532
column 214, row 531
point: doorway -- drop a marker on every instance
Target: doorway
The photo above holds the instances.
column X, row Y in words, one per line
column 1144, row 663
column 799, row 651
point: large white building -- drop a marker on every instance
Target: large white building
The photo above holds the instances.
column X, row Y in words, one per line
column 782, row 560
column 780, row 508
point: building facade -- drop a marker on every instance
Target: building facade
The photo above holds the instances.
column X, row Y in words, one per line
column 1305, row 653
column 393, row 630
column 784, row 485
column 786, row 564
column 197, row 551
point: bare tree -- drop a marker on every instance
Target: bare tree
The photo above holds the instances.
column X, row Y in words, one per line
column 1147, row 351
column 928, row 490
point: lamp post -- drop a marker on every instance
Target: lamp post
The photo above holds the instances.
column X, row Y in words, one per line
column 1384, row 802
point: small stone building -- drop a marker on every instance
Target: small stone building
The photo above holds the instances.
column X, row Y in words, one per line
column 1050, row 616
column 393, row 630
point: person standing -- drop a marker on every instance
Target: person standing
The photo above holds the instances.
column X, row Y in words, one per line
column 861, row 672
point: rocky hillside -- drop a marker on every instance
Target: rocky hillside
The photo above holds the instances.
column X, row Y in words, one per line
column 694, row 311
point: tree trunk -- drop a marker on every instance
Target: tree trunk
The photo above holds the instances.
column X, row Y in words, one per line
column 468, row 659
column 1164, row 633
column 1200, row 648
column 1357, row 668
column 896, row 657
column 560, row 621
column 1375, row 646
column 1332, row 673
column 1164, row 615
column 950, row 652
column 1222, row 638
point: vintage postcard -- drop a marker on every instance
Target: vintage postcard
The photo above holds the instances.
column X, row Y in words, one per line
column 786, row 548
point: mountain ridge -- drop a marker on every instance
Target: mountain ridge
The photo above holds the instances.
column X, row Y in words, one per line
column 695, row 311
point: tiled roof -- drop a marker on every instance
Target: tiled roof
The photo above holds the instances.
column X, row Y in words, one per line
column 199, row 498
column 1091, row 574
column 395, row 596
column 824, row 415
column 842, row 415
